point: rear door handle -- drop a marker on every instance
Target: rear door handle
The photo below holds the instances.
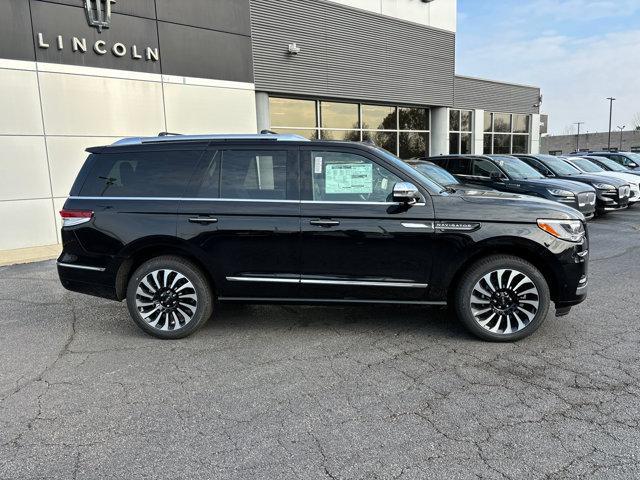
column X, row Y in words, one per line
column 325, row 223
column 203, row 220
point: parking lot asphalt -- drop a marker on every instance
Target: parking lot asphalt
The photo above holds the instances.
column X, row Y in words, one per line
column 275, row 392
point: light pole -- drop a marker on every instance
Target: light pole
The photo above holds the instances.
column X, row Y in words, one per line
column 611, row 100
column 621, row 128
column 578, row 136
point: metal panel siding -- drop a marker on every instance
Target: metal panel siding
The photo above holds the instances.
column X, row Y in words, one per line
column 495, row 96
column 348, row 53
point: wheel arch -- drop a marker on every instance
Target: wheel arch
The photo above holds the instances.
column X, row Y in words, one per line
column 522, row 248
column 137, row 253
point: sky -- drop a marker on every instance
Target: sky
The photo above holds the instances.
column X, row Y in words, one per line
column 578, row 51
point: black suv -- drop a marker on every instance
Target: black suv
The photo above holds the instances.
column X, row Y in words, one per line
column 612, row 193
column 174, row 224
column 508, row 174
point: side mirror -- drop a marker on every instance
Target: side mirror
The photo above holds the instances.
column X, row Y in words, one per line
column 496, row 176
column 406, row 192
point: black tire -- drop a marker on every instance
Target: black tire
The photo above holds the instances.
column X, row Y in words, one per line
column 519, row 307
column 189, row 314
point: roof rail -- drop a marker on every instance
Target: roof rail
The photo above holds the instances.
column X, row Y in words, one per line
column 210, row 138
column 166, row 134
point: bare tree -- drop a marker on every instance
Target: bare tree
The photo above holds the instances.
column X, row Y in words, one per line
column 569, row 130
column 636, row 121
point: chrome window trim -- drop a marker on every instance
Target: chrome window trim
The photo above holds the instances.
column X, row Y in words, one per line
column 191, row 199
column 81, row 267
column 329, row 202
column 188, row 199
column 306, row 281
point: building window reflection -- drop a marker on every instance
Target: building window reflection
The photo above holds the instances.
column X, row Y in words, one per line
column 506, row 133
column 460, row 131
column 401, row 130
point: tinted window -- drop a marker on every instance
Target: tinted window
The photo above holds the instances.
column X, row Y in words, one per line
column 254, row 174
column 340, row 176
column 484, row 168
column 458, row 166
column 149, row 174
column 209, row 184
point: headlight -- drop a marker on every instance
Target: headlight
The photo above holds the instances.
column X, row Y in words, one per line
column 558, row 192
column 604, row 186
column 569, row 230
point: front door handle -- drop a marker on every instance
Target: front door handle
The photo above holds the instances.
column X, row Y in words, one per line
column 324, row 223
column 203, row 220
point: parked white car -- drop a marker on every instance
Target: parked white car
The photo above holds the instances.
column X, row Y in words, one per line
column 584, row 164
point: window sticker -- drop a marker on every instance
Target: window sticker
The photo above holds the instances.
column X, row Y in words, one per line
column 318, row 165
column 349, row 178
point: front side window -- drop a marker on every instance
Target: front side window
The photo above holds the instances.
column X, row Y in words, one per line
column 148, row 174
column 484, row 168
column 254, row 174
column 349, row 177
column 587, row 166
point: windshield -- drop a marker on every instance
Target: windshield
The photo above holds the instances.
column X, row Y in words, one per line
column 612, row 165
column 437, row 174
column 516, row 168
column 558, row 166
column 586, row 165
column 634, row 156
column 429, row 183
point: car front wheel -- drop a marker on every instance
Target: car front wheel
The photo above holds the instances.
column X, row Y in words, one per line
column 169, row 297
column 502, row 298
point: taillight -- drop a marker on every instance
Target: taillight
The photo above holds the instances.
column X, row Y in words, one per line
column 75, row 217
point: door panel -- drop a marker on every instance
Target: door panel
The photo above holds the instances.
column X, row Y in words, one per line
column 250, row 239
column 350, row 249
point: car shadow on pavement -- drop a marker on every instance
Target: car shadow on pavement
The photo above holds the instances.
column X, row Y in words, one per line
column 435, row 322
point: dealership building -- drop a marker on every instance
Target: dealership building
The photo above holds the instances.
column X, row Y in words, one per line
column 80, row 73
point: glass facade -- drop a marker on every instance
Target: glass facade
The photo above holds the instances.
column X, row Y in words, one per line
column 403, row 131
column 460, row 131
column 506, row 133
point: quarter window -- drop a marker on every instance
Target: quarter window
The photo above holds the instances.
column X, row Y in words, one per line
column 149, row 174
column 348, row 177
column 254, row 174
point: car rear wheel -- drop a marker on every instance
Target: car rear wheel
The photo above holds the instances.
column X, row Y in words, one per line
column 169, row 297
column 502, row 298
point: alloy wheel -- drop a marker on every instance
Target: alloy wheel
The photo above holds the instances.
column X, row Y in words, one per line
column 166, row 299
column 504, row 301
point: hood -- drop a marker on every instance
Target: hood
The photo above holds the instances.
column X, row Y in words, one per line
column 625, row 177
column 494, row 206
column 574, row 187
column 591, row 178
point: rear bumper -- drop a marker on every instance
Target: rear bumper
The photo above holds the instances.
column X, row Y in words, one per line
column 87, row 279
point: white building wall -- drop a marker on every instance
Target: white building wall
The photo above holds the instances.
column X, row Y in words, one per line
column 438, row 13
column 52, row 113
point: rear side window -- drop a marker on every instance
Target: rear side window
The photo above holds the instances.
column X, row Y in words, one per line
column 458, row 166
column 254, row 174
column 148, row 174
